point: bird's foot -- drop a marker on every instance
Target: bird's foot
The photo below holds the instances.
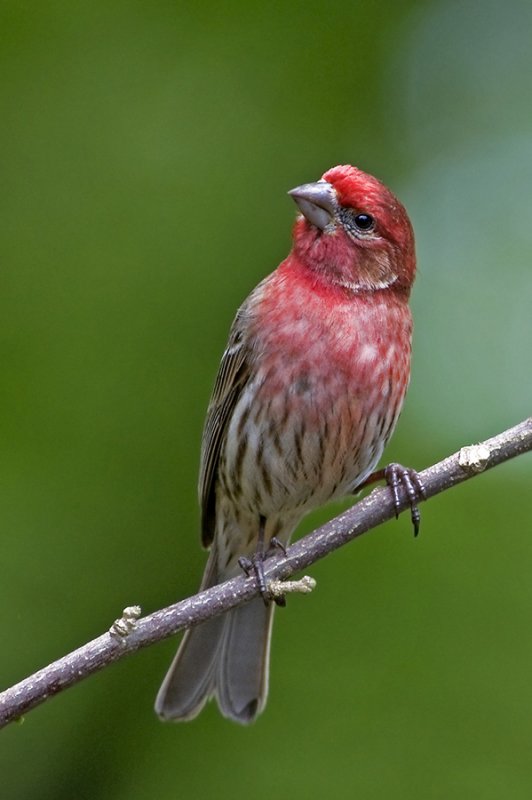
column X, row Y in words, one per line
column 398, row 477
column 255, row 566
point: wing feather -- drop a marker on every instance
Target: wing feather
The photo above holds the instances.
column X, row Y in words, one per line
column 232, row 377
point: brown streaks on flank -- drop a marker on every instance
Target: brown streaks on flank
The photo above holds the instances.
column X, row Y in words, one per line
column 298, row 442
column 355, row 453
column 242, row 422
column 322, row 440
column 393, row 417
column 386, row 432
column 276, row 440
column 299, row 438
column 266, row 479
column 240, row 455
column 260, row 449
column 228, row 558
column 380, row 429
column 257, row 496
column 286, row 411
column 263, row 469
column 258, row 415
column 336, row 441
column 363, row 432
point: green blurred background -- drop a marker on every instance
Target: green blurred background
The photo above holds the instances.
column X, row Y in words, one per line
column 147, row 148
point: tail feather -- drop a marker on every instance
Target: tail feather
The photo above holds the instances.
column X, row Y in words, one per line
column 191, row 678
column 241, row 679
column 227, row 657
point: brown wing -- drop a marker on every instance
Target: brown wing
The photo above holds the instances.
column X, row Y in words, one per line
column 232, row 376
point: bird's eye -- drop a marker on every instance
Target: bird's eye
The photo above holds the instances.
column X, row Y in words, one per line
column 364, row 222
column 356, row 224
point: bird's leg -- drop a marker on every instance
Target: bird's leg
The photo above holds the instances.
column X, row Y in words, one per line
column 258, row 561
column 256, row 564
column 397, row 476
column 276, row 544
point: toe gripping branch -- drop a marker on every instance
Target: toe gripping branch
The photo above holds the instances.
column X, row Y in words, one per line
column 255, row 565
column 401, row 478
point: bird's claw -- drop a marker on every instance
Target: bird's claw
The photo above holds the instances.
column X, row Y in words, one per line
column 246, row 565
column 255, row 565
column 397, row 477
column 276, row 544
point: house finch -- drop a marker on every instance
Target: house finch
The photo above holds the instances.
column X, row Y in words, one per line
column 307, row 395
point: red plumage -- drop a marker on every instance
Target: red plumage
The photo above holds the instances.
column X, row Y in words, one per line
column 308, row 393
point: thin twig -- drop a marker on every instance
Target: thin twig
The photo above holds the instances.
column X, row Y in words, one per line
column 130, row 634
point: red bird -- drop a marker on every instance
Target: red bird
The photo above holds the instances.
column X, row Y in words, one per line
column 308, row 393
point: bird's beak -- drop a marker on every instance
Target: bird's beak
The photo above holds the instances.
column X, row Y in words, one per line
column 316, row 201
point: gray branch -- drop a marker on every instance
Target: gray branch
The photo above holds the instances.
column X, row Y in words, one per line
column 130, row 634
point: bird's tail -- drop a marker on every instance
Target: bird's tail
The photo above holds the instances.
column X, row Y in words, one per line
column 226, row 657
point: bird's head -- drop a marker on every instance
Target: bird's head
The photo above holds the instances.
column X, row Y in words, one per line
column 354, row 231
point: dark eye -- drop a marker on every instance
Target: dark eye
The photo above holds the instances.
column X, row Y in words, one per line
column 364, row 222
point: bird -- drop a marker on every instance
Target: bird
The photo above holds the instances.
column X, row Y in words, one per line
column 308, row 393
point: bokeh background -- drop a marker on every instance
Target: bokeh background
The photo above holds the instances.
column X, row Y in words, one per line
column 146, row 151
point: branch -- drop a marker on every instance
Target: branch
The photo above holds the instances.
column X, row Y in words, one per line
column 130, row 634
